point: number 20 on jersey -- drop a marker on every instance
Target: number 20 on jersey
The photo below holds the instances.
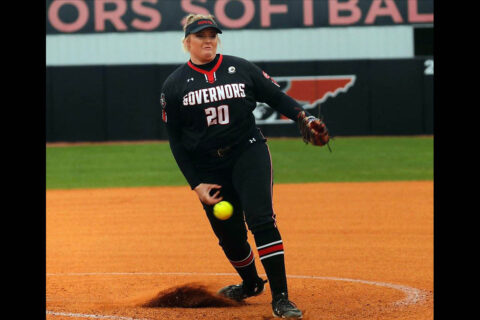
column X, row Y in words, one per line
column 217, row 115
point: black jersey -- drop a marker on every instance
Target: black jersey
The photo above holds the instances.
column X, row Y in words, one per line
column 210, row 106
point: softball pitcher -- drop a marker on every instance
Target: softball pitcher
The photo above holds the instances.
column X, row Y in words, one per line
column 207, row 106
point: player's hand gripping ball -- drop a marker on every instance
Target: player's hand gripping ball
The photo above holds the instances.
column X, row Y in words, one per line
column 223, row 210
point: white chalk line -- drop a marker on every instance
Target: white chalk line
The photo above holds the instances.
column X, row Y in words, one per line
column 412, row 295
column 94, row 316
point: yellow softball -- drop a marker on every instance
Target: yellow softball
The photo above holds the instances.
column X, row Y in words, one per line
column 223, row 210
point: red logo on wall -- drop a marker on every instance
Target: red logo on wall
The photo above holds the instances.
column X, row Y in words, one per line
column 309, row 91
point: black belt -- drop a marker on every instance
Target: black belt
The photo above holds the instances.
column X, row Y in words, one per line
column 221, row 152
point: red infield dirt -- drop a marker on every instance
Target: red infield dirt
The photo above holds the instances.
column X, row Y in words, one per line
column 352, row 250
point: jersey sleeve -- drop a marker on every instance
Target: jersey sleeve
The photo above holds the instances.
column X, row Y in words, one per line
column 267, row 90
column 169, row 101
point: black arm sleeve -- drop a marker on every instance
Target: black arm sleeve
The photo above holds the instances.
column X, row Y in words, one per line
column 267, row 90
column 171, row 118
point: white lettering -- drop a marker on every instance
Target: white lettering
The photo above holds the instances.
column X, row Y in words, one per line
column 205, row 96
column 428, row 67
column 218, row 115
column 198, row 95
column 228, row 91
column 211, row 114
column 236, row 91
column 241, row 86
column 220, row 92
column 223, row 114
column 191, row 98
column 213, row 94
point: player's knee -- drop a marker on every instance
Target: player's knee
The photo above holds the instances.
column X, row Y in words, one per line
column 236, row 251
column 261, row 222
column 231, row 241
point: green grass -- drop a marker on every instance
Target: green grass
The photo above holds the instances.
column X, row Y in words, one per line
column 152, row 164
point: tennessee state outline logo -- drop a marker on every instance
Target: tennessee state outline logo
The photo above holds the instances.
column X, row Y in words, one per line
column 309, row 91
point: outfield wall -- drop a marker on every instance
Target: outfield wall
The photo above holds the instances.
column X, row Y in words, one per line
column 363, row 97
column 364, row 64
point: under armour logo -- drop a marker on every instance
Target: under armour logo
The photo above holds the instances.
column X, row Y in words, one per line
column 190, row 79
column 252, row 140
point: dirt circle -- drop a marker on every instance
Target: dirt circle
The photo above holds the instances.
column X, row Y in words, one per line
column 352, row 251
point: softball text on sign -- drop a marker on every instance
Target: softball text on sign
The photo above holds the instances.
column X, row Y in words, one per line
column 92, row 16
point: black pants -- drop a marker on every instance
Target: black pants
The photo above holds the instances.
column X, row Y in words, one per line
column 246, row 178
column 247, row 181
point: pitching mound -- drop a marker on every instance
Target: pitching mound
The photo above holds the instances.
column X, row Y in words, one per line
column 192, row 295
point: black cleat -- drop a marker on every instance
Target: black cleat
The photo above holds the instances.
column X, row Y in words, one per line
column 238, row 292
column 284, row 308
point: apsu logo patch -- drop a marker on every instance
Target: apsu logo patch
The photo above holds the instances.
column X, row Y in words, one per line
column 309, row 91
column 270, row 78
column 163, row 103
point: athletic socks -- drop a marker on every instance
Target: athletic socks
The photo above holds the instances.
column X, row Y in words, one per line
column 270, row 250
column 244, row 262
